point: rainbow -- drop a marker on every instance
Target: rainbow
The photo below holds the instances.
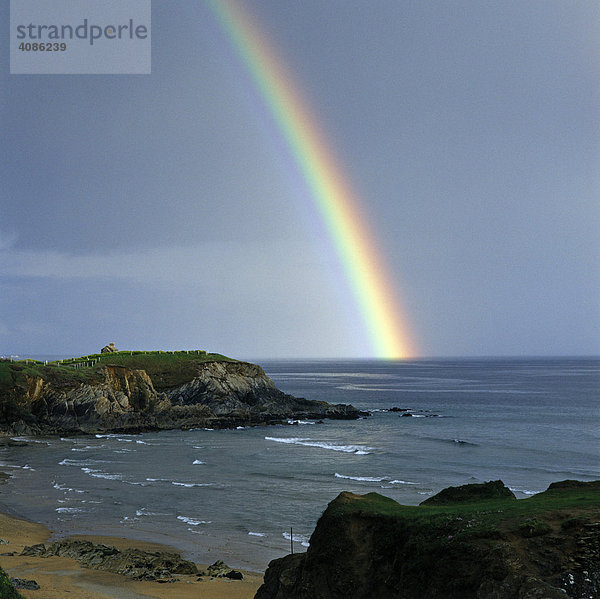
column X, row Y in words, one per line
column 377, row 301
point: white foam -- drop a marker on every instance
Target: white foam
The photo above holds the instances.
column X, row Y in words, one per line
column 100, row 474
column 192, row 484
column 106, row 476
column 122, row 438
column 366, row 479
column 87, row 447
column 64, row 488
column 257, row 534
column 524, row 491
column 193, row 521
column 70, row 462
column 302, row 539
column 402, row 482
column 197, row 462
column 355, row 449
column 30, row 440
column 68, row 510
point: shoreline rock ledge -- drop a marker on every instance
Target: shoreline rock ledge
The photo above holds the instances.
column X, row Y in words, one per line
column 146, row 391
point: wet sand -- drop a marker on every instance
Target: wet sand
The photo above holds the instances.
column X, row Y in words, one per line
column 61, row 577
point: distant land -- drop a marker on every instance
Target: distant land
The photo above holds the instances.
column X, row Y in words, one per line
column 135, row 391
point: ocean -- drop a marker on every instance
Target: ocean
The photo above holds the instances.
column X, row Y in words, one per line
column 236, row 495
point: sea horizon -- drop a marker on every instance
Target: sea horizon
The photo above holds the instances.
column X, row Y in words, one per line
column 257, row 360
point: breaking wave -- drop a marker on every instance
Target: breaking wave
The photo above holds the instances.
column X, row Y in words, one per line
column 355, row 449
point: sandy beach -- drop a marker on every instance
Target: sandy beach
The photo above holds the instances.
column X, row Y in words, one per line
column 61, row 577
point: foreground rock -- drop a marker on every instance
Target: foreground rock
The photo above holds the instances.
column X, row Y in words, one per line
column 221, row 570
column 22, row 583
column 147, row 392
column 142, row 565
column 471, row 542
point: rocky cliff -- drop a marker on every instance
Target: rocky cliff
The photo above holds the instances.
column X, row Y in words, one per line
column 473, row 542
column 166, row 393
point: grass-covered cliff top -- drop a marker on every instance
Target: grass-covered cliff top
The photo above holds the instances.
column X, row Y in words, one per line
column 165, row 368
column 485, row 514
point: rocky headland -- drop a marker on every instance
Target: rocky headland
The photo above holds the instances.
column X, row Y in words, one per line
column 141, row 391
column 470, row 542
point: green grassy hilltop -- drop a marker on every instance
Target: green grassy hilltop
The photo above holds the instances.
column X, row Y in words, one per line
column 467, row 542
column 166, row 368
column 145, row 390
column 564, row 505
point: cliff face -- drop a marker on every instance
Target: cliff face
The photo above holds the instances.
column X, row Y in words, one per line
column 370, row 547
column 215, row 394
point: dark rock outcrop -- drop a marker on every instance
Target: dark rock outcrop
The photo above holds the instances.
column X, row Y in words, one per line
column 493, row 489
column 216, row 394
column 221, row 570
column 22, row 583
column 370, row 547
column 134, row 563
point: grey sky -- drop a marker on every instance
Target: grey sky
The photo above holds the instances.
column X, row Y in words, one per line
column 162, row 211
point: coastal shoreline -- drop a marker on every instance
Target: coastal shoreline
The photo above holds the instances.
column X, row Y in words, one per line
column 61, row 576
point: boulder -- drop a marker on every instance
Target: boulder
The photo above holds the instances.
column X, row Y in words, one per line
column 22, row 583
column 221, row 570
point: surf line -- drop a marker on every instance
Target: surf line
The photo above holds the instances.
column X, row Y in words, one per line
column 384, row 318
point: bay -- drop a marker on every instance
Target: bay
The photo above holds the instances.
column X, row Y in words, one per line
column 235, row 494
